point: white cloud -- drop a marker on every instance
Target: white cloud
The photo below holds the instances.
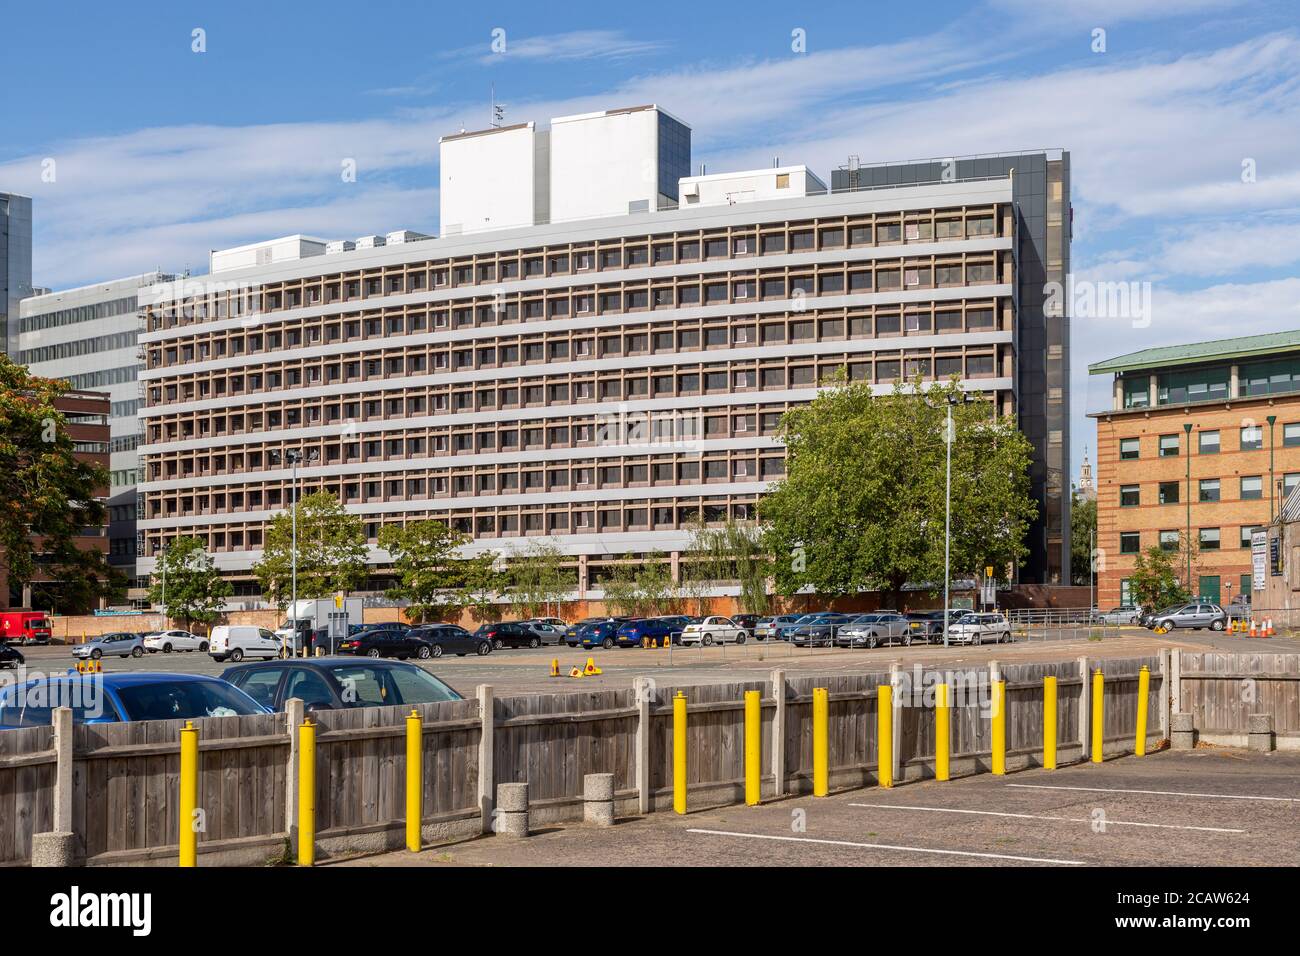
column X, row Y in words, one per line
column 577, row 45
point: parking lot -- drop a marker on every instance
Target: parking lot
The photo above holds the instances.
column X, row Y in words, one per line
column 1190, row 808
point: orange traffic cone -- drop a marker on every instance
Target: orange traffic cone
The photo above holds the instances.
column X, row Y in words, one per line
column 1252, row 627
column 1268, row 628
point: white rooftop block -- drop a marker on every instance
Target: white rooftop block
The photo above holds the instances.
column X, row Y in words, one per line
column 493, row 179
column 284, row 249
column 720, row 189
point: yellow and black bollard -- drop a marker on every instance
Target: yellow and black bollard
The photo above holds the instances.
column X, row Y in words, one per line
column 753, row 747
column 821, row 742
column 1049, row 723
column 679, row 752
column 189, row 794
column 414, row 780
column 306, row 793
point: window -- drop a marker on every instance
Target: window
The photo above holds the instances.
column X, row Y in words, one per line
column 1289, row 481
column 1209, row 443
column 1209, row 539
column 1169, row 492
column 1130, row 542
column 1291, row 435
column 1128, row 448
column 1125, row 593
column 1168, row 540
column 1252, row 438
column 1252, row 488
column 1168, row 446
column 782, row 180
column 1173, row 388
column 1129, row 496
column 1137, row 392
column 1247, row 532
column 1209, row 489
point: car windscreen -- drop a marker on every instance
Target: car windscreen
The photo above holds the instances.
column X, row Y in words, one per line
column 185, row 700
column 417, row 686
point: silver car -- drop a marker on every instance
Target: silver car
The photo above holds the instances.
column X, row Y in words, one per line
column 1118, row 616
column 122, row 644
column 872, row 630
column 980, row 628
column 1194, row 614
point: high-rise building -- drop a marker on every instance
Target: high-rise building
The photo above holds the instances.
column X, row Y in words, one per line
column 15, row 264
column 599, row 383
column 88, row 335
column 1040, row 188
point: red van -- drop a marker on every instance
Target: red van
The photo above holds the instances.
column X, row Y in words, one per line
column 25, row 627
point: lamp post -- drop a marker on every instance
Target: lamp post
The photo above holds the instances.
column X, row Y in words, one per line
column 294, row 456
column 949, row 437
column 1272, row 420
column 1187, row 433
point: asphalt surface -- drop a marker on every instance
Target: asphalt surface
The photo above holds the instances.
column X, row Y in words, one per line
column 1188, row 808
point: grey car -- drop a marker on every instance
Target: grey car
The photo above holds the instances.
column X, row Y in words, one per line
column 872, row 630
column 1194, row 614
column 1116, row 616
column 121, row 644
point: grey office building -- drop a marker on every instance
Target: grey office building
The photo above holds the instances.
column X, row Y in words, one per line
column 15, row 264
column 1041, row 197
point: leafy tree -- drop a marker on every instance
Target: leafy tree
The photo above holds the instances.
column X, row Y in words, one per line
column 1154, row 582
column 733, row 552
column 481, row 581
column 331, row 551
column 187, row 584
column 1083, row 529
column 429, row 575
column 539, row 578
column 47, row 495
column 654, row 584
column 862, row 503
column 622, row 591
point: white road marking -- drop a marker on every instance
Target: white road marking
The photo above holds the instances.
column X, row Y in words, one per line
column 887, row 846
column 1030, row 816
column 1160, row 793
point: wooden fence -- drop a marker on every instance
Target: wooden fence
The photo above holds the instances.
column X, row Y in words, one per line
column 116, row 785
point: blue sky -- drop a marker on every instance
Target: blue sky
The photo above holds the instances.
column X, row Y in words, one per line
column 161, row 153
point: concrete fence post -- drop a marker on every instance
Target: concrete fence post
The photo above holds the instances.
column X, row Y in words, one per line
column 1165, row 683
column 293, row 714
column 63, row 730
column 486, row 782
column 778, row 732
column 1260, row 732
column 1182, row 734
column 1176, row 680
column 1085, row 707
column 643, row 696
column 598, row 799
column 54, row 849
column 512, row 810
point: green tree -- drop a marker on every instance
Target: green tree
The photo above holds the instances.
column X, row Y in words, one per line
column 539, row 578
column 1154, row 582
column 187, row 584
column 862, row 504
column 482, row 582
column 1083, row 530
column 331, row 551
column 732, row 552
column 621, row 588
column 47, row 494
column 429, row 574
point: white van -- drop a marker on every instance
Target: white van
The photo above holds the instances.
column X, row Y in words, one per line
column 237, row 641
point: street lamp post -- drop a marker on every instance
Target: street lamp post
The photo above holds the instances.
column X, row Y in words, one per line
column 1272, row 420
column 294, row 456
column 1187, row 451
column 948, row 437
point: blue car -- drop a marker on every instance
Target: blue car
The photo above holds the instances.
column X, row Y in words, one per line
column 633, row 633
column 786, row 631
column 599, row 634
column 112, row 698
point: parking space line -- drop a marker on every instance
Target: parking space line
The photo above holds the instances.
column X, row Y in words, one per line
column 1032, row 816
column 1159, row 793
column 887, row 846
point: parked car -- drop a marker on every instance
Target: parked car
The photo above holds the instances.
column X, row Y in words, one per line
column 10, row 656
column 786, row 630
column 131, row 695
column 434, row 640
column 237, row 641
column 573, row 631
column 381, row 642
column 1194, row 614
column 339, row 683
column 518, row 634
column 747, row 621
column 602, row 633
column 554, row 622
column 121, row 644
column 770, row 627
column 818, row 630
column 25, row 627
column 980, row 628
column 657, row 629
column 930, row 623
column 874, row 629
column 1117, row 616
column 168, row 641
column 714, row 629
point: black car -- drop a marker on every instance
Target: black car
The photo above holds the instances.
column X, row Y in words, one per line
column 382, row 643
column 747, row 621
column 337, row 683
column 510, row 634
column 434, row 640
column 10, row 656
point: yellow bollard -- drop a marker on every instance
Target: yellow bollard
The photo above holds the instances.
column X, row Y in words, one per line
column 821, row 763
column 1049, row 723
column 414, row 780
column 679, row 752
column 1000, row 727
column 189, row 795
column 885, row 735
column 942, row 731
column 306, row 793
column 753, row 748
column 1098, row 723
column 1144, row 691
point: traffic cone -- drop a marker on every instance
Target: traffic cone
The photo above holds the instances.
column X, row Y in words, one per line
column 591, row 669
column 1252, row 627
column 1268, row 628
column 555, row 667
column 575, row 672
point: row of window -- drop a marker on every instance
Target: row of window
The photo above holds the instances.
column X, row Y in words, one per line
column 1209, row 588
column 92, row 346
column 1208, row 490
column 1209, row 442
column 80, row 313
column 1209, row 539
column 1215, row 383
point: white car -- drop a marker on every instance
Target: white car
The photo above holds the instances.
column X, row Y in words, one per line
column 978, row 628
column 237, row 641
column 714, row 630
column 168, row 641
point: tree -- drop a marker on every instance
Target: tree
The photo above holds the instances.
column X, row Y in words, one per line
column 429, row 574
column 1154, row 582
column 539, row 578
column 47, row 494
column 187, row 584
column 1083, row 530
column 732, row 552
column 331, row 551
column 862, row 504
column 482, row 580
column 622, row 592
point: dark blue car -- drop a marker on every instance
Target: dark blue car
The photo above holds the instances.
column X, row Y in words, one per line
column 111, row 698
column 599, row 634
column 634, row 633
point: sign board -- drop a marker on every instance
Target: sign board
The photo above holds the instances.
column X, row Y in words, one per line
column 1259, row 559
column 1275, row 556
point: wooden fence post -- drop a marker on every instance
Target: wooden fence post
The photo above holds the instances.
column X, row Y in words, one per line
column 486, row 787
column 293, row 714
column 642, row 691
column 1085, row 710
column 778, row 732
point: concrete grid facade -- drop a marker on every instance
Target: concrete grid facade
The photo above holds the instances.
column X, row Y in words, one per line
column 598, row 383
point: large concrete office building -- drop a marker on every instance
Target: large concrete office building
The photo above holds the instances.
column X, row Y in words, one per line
column 15, row 264
column 88, row 336
column 1040, row 196
column 598, row 382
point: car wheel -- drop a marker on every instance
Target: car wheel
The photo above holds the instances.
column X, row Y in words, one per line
column 96, row 654
column 167, row 648
column 203, row 647
column 740, row 638
column 484, row 648
column 707, row 640
column 534, row 642
column 423, row 652
column 1167, row 625
column 137, row 651
column 1217, row 626
column 373, row 652
column 237, row 655
column 436, row 650
column 907, row 639
column 873, row 641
